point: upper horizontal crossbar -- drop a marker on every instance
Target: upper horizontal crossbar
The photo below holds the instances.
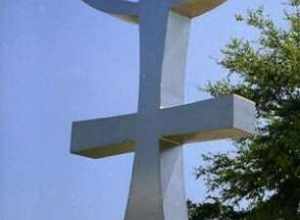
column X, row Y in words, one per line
column 194, row 8
column 129, row 11
column 116, row 7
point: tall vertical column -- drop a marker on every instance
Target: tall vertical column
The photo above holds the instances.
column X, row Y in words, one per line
column 157, row 185
column 145, row 200
column 172, row 93
column 153, row 32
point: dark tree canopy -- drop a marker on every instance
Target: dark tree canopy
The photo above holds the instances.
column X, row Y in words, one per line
column 265, row 169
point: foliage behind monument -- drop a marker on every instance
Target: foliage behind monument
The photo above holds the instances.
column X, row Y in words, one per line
column 265, row 170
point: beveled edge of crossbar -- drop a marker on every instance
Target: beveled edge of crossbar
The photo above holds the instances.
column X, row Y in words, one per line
column 223, row 117
column 96, row 152
column 92, row 138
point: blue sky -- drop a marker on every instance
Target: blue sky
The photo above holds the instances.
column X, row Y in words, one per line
column 61, row 61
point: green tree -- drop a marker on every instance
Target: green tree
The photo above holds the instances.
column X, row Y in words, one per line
column 265, row 169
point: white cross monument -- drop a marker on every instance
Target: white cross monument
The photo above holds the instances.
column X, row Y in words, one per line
column 162, row 124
